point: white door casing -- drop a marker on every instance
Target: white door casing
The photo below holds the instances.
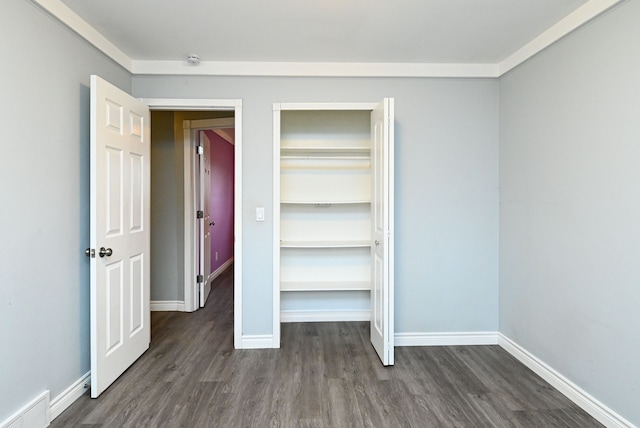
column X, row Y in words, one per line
column 235, row 105
column 382, row 287
column 120, row 202
column 382, row 202
column 205, row 223
column 192, row 257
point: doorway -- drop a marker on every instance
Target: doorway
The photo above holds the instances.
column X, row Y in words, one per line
column 178, row 225
column 213, row 141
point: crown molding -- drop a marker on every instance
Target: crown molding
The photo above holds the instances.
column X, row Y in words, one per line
column 582, row 15
column 66, row 16
column 314, row 69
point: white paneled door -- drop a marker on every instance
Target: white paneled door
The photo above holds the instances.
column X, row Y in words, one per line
column 119, row 252
column 382, row 329
column 205, row 222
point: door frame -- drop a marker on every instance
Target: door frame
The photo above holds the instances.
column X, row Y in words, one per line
column 192, row 129
column 277, row 110
column 235, row 105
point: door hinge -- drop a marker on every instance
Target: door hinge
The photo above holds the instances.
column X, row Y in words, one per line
column 200, row 214
column 200, row 279
column 200, row 150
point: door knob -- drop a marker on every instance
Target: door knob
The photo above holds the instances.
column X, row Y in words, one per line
column 376, row 242
column 105, row 252
column 90, row 252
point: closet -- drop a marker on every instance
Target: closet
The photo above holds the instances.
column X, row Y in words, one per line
column 333, row 216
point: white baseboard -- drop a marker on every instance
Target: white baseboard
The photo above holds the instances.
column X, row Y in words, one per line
column 324, row 316
column 216, row 273
column 589, row 404
column 167, row 305
column 447, row 339
column 67, row 397
column 257, row 341
column 34, row 414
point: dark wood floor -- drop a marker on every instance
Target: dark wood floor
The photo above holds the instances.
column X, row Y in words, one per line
column 325, row 375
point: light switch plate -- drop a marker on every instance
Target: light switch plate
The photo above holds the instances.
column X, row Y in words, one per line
column 260, row 214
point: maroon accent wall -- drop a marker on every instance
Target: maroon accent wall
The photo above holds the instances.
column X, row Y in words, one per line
column 222, row 191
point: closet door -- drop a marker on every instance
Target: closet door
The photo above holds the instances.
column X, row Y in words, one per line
column 382, row 231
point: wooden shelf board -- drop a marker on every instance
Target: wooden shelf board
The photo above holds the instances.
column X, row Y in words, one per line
column 328, row 166
column 325, row 286
column 353, row 202
column 325, row 149
column 325, row 244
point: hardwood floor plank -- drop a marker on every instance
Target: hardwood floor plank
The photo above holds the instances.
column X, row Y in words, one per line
column 569, row 418
column 342, row 406
column 493, row 409
column 324, row 375
column 502, row 372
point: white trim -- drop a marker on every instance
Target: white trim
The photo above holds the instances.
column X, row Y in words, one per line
column 189, row 171
column 237, row 221
column 469, row 338
column 75, row 23
column 192, row 104
column 257, row 341
column 67, row 397
column 325, row 106
column 324, row 316
column 236, row 106
column 389, row 154
column 216, row 273
column 314, row 69
column 276, row 223
column 167, row 306
column 301, row 316
column 571, row 22
column 576, row 394
column 34, row 414
column 579, row 17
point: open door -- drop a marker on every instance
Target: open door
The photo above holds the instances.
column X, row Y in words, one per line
column 204, row 222
column 382, row 330
column 120, row 238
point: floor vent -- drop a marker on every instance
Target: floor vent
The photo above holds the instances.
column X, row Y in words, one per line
column 33, row 415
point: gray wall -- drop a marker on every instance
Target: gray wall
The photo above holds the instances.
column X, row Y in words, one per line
column 570, row 207
column 44, row 220
column 446, row 189
column 167, row 228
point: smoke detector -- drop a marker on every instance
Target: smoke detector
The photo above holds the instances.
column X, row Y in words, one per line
column 193, row 59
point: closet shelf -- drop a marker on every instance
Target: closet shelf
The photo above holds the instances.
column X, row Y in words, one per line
column 325, row 151
column 325, row 285
column 326, row 244
column 326, row 203
column 328, row 165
